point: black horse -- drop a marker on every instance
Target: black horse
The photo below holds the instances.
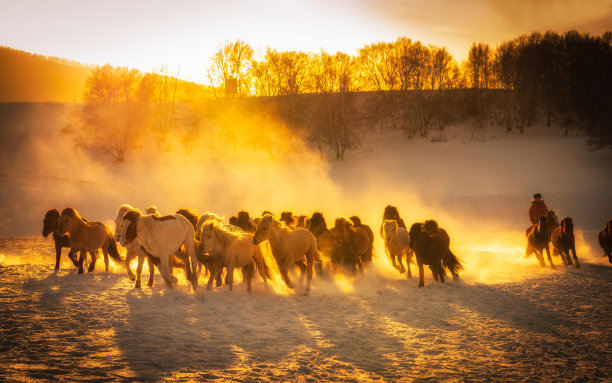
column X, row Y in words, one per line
column 50, row 225
column 605, row 239
column 431, row 249
column 537, row 241
column 564, row 242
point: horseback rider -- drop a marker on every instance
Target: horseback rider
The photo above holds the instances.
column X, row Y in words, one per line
column 538, row 208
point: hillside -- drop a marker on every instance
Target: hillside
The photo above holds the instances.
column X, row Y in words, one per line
column 27, row 77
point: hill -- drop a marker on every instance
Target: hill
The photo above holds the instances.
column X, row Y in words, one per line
column 28, row 77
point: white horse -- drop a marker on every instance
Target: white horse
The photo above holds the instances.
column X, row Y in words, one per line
column 289, row 247
column 133, row 249
column 232, row 249
column 205, row 217
column 397, row 244
column 159, row 238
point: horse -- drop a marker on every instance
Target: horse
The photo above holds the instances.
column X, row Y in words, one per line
column 605, row 239
column 191, row 216
column 352, row 245
column 537, row 240
column 50, row 224
column 288, row 219
column 397, row 245
column 244, row 221
column 429, row 250
column 87, row 237
column 563, row 241
column 233, row 249
column 369, row 255
column 303, row 222
column 431, row 226
column 206, row 217
column 324, row 236
column 289, row 247
column 133, row 249
column 392, row 214
column 160, row 238
column 552, row 223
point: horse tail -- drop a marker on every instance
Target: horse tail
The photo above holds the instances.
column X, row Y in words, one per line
column 266, row 269
column 112, row 248
column 451, row 262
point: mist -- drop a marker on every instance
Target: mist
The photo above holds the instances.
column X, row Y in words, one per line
column 478, row 192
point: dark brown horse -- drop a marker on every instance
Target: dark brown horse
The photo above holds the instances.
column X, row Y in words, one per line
column 537, row 241
column 352, row 245
column 431, row 226
column 50, row 225
column 605, row 239
column 563, row 241
column 429, row 250
column 244, row 221
column 367, row 258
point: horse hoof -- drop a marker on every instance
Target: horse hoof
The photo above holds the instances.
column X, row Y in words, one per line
column 578, row 265
column 132, row 278
column 80, row 272
column 421, row 284
column 137, row 286
column 149, row 284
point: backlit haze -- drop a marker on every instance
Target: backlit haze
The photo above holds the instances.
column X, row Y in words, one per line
column 184, row 34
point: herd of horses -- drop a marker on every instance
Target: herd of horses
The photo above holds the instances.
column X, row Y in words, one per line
column 195, row 242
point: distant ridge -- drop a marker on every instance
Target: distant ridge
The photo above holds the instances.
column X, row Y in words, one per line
column 28, row 77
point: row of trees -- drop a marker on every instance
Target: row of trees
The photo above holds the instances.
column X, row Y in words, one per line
column 565, row 77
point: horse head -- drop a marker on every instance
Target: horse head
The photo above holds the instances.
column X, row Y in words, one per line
column 129, row 226
column 430, row 226
column 389, row 230
column 66, row 220
column 50, row 222
column 209, row 237
column 567, row 225
column 552, row 218
column 264, row 228
column 416, row 231
column 391, row 213
column 318, row 225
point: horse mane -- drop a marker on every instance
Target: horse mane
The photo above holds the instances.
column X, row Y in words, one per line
column 342, row 223
column 163, row 218
column 71, row 212
column 53, row 213
column 132, row 215
column 225, row 234
column 608, row 227
column 152, row 210
column 190, row 215
column 391, row 213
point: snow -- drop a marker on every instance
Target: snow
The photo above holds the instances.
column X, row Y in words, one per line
column 506, row 319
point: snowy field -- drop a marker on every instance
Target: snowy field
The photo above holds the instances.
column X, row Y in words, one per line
column 506, row 319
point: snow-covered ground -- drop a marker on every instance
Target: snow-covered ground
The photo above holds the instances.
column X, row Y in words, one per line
column 506, row 319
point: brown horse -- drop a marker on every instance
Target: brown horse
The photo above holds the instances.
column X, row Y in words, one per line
column 537, row 241
column 605, row 239
column 367, row 259
column 244, row 221
column 87, row 237
column 50, row 224
column 563, row 241
column 431, row 226
column 429, row 250
column 352, row 245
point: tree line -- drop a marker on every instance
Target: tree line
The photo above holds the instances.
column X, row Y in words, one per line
column 566, row 78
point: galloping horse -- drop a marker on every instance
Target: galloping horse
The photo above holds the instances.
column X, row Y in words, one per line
column 430, row 250
column 50, row 224
column 160, row 238
column 289, row 247
column 87, row 237
column 232, row 249
column 397, row 244
column 564, row 242
column 537, row 240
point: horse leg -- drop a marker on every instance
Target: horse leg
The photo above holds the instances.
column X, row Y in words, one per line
column 213, row 273
column 408, row 256
column 131, row 254
column 151, row 271
column 441, row 271
column 540, row 258
column 302, row 267
column 573, row 250
column 58, row 255
column 230, row 277
column 247, row 275
column 105, row 252
column 139, row 269
column 421, row 273
column 549, row 256
column 434, row 272
column 401, row 269
column 94, row 258
column 165, row 272
column 82, row 256
column 285, row 275
column 73, row 257
column 219, row 277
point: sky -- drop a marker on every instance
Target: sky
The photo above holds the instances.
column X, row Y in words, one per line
column 184, row 34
